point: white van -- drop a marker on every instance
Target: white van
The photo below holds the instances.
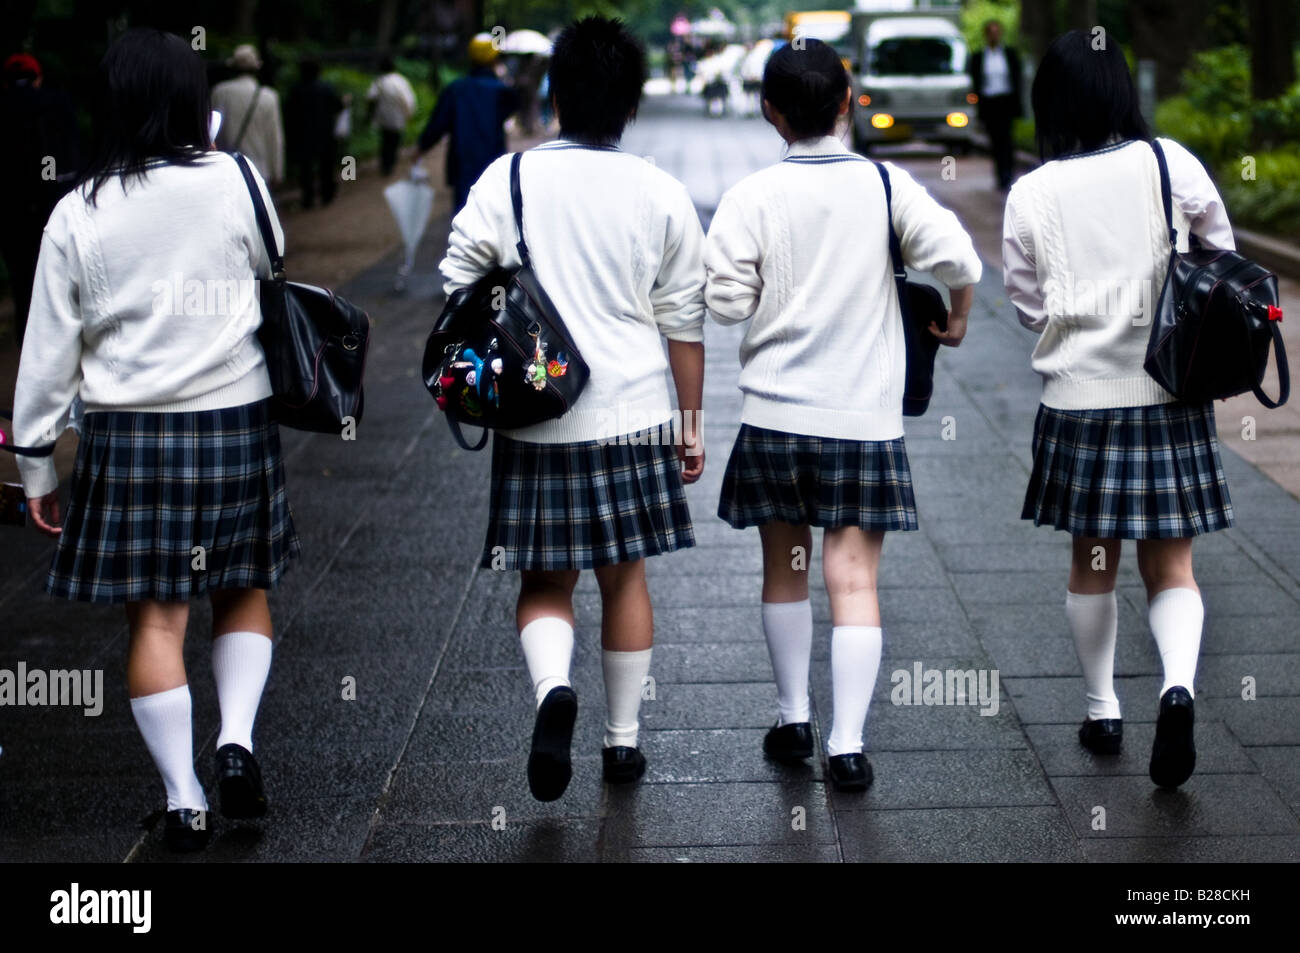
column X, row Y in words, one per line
column 910, row 79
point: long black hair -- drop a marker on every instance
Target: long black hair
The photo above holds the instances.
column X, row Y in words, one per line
column 597, row 71
column 806, row 86
column 1083, row 97
column 152, row 102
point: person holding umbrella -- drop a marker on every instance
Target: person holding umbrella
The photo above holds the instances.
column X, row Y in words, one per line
column 472, row 111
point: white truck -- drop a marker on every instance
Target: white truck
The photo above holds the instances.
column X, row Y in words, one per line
column 909, row 74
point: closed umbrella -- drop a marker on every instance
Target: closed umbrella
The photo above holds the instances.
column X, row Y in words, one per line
column 411, row 202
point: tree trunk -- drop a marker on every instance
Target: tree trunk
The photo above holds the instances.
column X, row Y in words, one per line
column 1038, row 27
column 246, row 17
column 386, row 26
column 1168, row 32
column 1272, row 61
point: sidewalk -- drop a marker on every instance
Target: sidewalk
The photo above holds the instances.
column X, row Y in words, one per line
column 427, row 763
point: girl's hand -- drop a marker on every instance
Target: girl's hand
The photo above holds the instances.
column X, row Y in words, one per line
column 44, row 511
column 691, row 454
column 956, row 330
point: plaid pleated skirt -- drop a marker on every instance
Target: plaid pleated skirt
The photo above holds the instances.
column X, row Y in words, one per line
column 1128, row 473
column 584, row 505
column 167, row 506
column 774, row 476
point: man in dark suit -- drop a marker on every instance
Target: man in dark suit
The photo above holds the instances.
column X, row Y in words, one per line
column 995, row 78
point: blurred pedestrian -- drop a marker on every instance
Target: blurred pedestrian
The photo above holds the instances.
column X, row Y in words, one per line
column 312, row 112
column 37, row 168
column 145, row 304
column 392, row 104
column 617, row 244
column 471, row 112
column 995, row 78
column 1115, row 456
column 822, row 370
column 250, row 112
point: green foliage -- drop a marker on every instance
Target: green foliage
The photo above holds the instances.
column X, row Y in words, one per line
column 1270, row 201
column 978, row 12
column 1214, row 136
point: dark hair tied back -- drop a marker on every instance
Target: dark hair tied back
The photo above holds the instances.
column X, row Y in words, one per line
column 806, row 86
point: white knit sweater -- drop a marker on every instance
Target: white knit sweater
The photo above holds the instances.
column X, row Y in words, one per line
column 617, row 245
column 802, row 249
column 145, row 301
column 1084, row 252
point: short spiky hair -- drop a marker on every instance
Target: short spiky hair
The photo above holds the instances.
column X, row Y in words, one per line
column 597, row 71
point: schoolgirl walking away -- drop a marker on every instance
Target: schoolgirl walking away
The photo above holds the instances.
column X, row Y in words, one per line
column 1115, row 456
column 801, row 251
column 178, row 486
column 616, row 244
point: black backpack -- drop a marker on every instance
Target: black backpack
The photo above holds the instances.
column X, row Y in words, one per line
column 1217, row 313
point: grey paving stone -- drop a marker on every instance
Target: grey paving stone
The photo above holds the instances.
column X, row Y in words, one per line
column 107, row 847
column 913, row 640
column 712, row 662
column 1206, row 805
column 467, row 792
column 946, row 779
column 1266, row 633
column 705, row 705
column 1036, row 556
column 966, row 835
column 1272, row 674
column 730, row 814
column 546, row 841
column 717, row 755
column 1265, row 721
column 1280, row 767
column 1061, row 755
column 303, row 830
column 939, row 728
column 78, row 808
column 504, row 735
column 1266, row 849
column 750, row 854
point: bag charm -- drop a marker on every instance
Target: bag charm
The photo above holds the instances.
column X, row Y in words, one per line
column 560, row 366
column 535, row 373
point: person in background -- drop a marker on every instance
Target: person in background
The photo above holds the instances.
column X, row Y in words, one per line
column 1116, row 456
column 995, row 78
column 392, row 104
column 616, row 242
column 472, row 111
column 822, row 370
column 250, row 114
column 311, row 117
column 178, row 457
column 40, row 128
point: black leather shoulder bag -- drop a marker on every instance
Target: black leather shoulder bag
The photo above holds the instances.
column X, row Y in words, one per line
column 315, row 342
column 500, row 356
column 1217, row 313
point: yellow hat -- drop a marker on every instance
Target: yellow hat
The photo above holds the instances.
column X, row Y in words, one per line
column 482, row 49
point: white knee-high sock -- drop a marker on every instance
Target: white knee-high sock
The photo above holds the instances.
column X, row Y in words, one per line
column 788, row 627
column 164, row 720
column 855, row 662
column 1176, row 617
column 1094, row 620
column 240, row 663
column 548, row 650
column 625, row 674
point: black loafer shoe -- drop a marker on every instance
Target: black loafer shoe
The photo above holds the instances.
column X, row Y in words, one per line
column 239, row 779
column 549, row 769
column 1102, row 736
column 850, row 772
column 186, row 830
column 622, row 765
column 792, row 742
column 1173, row 755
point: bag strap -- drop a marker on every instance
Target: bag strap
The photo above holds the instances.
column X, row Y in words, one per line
column 895, row 246
column 263, row 219
column 44, row 451
column 1165, row 196
column 1283, row 372
column 517, row 200
column 454, row 425
column 248, row 117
